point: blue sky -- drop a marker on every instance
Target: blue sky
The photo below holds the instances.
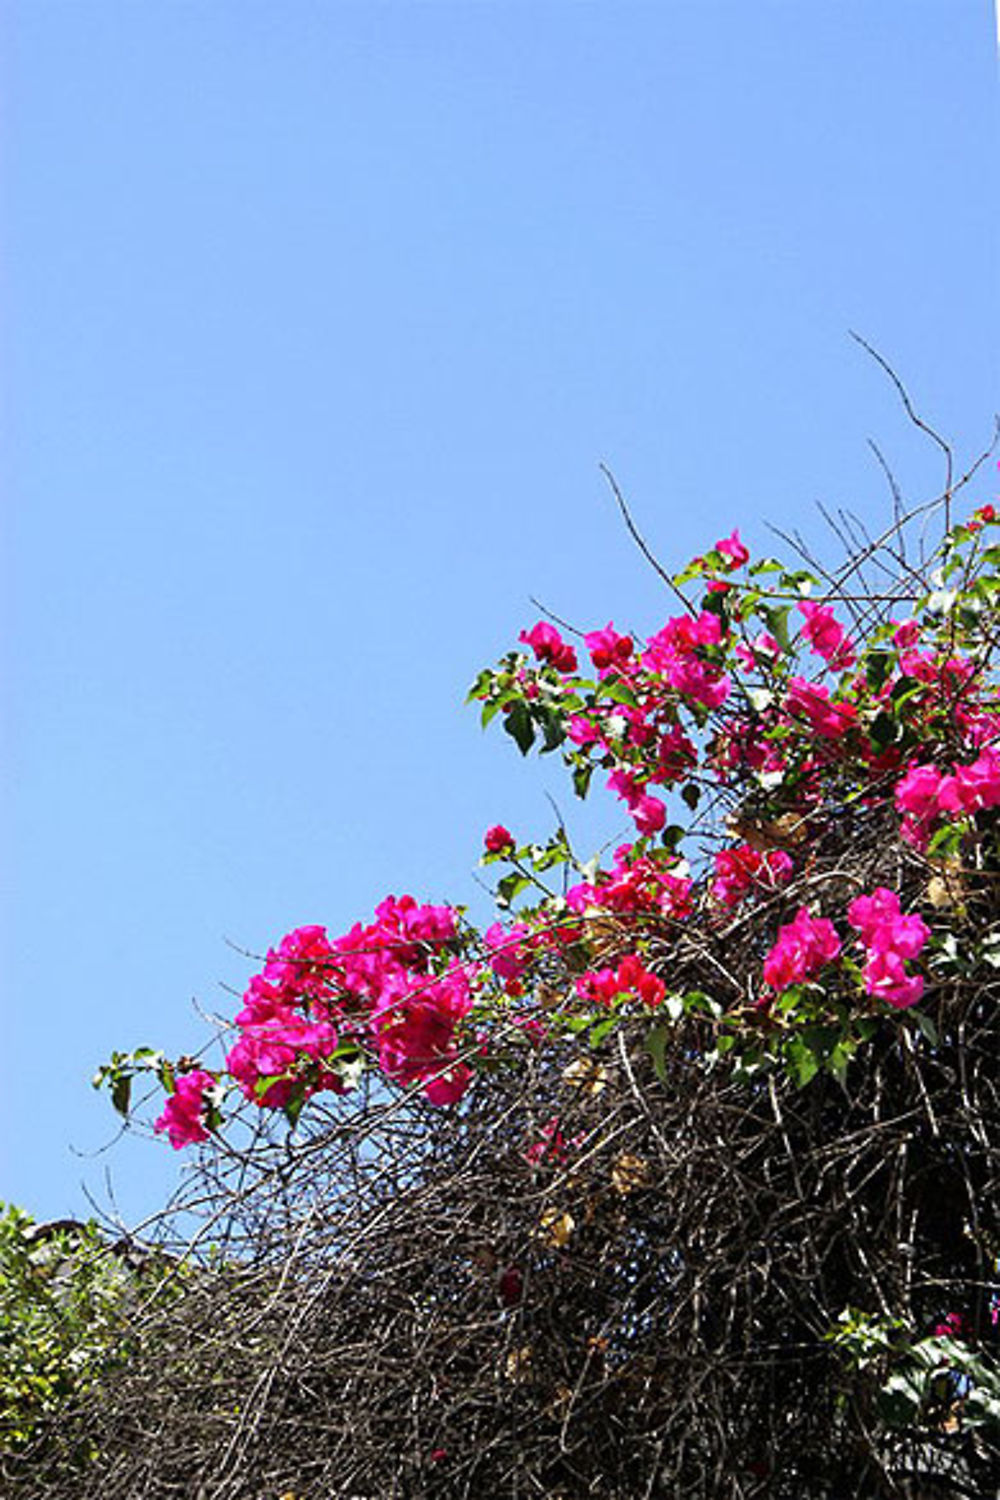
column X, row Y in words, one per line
column 320, row 318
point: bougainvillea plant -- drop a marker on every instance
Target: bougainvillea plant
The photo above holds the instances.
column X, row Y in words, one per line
column 775, row 712
column 684, row 1161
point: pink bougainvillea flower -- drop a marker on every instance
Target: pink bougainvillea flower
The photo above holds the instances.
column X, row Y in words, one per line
column 978, row 784
column 675, row 754
column 506, row 952
column 906, row 635
column 635, row 885
column 262, row 1002
column 184, row 1110
column 744, row 869
column 869, row 914
column 549, row 646
column 635, row 977
column 609, row 651
column 924, row 795
column 301, row 969
column 804, row 946
column 763, row 648
column 603, row 986
column 890, row 938
column 733, row 550
column 448, row 1087
column 498, row 839
column 886, row 979
column 581, row 731
column 271, row 1049
column 551, row 1147
column 675, row 652
column 599, row 986
column 623, row 784
column 825, row 634
column 649, row 814
column 810, row 701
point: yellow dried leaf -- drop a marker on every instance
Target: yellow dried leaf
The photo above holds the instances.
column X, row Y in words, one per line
column 788, row 831
column 946, row 888
column 629, row 1174
column 587, row 1075
column 557, row 1225
column 517, row 1366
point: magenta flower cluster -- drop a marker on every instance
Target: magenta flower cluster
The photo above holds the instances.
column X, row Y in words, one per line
column 743, row 870
column 630, row 979
column 391, row 991
column 889, row 940
column 926, row 796
column 716, row 702
column 183, row 1114
column 804, row 946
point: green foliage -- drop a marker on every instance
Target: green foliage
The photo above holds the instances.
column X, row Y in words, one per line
column 933, row 1383
column 66, row 1305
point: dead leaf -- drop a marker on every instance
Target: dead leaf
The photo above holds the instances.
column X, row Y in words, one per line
column 629, row 1174
column 557, row 1225
column 788, row 831
column 587, row 1075
column 517, row 1366
column 946, row 888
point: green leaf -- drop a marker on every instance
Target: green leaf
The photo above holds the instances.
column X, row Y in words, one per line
column 292, row 1109
column 581, row 778
column 800, row 580
column 510, row 886
column 656, row 1043
column 597, row 1033
column 481, row 686
column 777, row 622
column 555, row 852
column 839, row 1058
column 691, row 794
column 618, row 691
column 121, row 1092
column 947, row 841
column 696, row 1002
column 801, row 1062
column 519, row 726
column 927, row 1028
column 882, row 730
column 553, row 729
column 878, row 665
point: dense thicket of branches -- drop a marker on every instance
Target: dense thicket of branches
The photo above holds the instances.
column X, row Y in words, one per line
column 407, row 1306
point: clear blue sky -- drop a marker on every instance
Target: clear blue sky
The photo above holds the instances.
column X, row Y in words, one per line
column 319, row 319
